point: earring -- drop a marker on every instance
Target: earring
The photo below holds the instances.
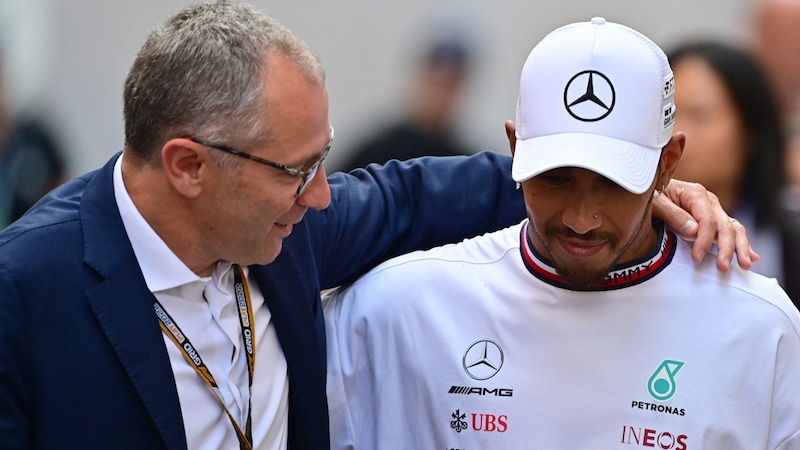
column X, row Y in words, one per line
column 518, row 186
column 659, row 192
column 595, row 216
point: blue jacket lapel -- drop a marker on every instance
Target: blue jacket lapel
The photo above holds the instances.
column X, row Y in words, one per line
column 123, row 306
column 293, row 300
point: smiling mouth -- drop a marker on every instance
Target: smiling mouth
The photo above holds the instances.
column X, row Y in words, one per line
column 284, row 227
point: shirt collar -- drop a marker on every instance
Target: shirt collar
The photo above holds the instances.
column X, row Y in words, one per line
column 161, row 268
column 622, row 276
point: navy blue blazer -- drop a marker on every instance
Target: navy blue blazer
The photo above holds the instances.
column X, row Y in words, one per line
column 83, row 363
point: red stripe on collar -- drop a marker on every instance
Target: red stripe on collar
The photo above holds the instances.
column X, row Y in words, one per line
column 623, row 276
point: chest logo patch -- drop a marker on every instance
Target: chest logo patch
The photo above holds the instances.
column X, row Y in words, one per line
column 483, row 359
column 661, row 385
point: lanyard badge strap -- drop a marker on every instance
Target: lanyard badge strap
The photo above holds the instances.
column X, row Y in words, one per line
column 245, row 309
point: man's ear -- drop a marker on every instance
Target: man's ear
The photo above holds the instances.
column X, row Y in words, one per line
column 670, row 157
column 511, row 133
column 186, row 164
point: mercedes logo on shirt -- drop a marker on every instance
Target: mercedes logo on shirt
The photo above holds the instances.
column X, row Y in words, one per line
column 589, row 96
column 483, row 359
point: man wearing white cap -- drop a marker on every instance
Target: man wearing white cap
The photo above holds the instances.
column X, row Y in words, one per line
column 587, row 325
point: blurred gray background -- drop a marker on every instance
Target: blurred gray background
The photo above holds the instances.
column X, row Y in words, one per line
column 66, row 59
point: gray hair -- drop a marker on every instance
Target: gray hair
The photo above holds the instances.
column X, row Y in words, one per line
column 201, row 74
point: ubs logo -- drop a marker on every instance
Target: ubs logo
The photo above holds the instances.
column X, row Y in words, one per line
column 589, row 96
column 483, row 359
column 492, row 423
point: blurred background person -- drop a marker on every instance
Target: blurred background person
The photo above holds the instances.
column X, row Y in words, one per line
column 776, row 45
column 735, row 146
column 775, row 42
column 427, row 121
column 31, row 161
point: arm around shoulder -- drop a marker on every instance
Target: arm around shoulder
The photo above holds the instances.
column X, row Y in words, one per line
column 384, row 211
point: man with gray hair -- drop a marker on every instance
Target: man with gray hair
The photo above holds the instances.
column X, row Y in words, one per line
column 170, row 299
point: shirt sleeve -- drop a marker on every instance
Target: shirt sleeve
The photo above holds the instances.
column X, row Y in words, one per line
column 784, row 433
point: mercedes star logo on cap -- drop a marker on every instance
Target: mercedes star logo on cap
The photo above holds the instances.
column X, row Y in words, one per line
column 589, row 96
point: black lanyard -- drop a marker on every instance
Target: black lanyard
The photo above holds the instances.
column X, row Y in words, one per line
column 245, row 308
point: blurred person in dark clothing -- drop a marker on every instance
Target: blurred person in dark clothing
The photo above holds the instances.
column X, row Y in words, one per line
column 31, row 162
column 425, row 128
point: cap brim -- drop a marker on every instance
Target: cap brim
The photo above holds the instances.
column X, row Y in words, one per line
column 629, row 165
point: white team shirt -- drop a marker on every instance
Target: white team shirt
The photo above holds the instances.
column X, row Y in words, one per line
column 476, row 346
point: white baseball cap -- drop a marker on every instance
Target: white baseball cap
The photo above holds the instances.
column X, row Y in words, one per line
column 595, row 95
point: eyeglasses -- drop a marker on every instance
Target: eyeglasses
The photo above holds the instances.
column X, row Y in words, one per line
column 305, row 175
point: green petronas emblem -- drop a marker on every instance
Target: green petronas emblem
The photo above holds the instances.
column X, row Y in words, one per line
column 661, row 385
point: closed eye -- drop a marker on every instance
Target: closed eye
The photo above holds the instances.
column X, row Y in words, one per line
column 554, row 177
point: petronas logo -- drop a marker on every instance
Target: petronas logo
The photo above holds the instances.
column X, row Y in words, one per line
column 661, row 385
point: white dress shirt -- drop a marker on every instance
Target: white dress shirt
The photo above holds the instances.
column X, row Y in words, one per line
column 204, row 309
